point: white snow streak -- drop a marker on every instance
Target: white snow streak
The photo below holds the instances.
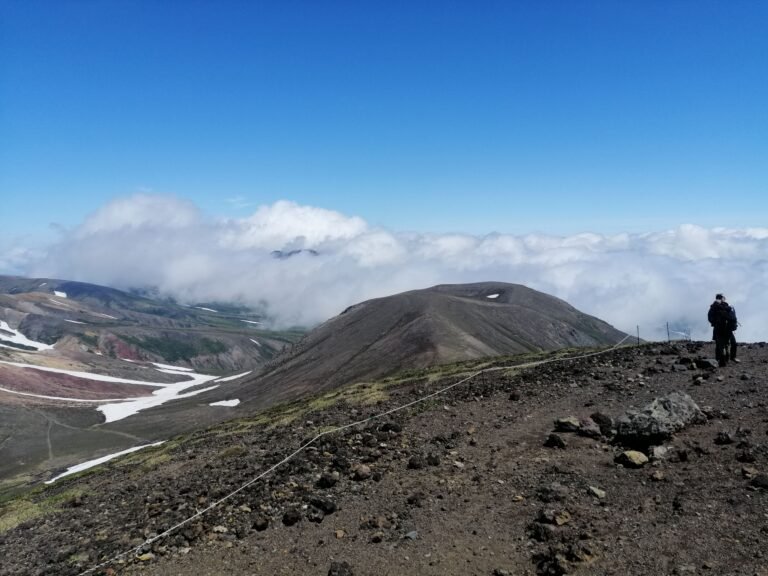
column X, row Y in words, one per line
column 235, row 377
column 234, row 402
column 19, row 338
column 97, row 461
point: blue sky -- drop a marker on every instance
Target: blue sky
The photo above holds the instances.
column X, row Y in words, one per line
column 558, row 117
column 613, row 154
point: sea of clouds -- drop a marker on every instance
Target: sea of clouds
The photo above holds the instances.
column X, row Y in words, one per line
column 629, row 280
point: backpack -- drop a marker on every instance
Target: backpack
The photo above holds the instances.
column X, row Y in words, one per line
column 719, row 314
column 733, row 323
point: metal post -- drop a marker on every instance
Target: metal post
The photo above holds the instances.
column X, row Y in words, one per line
column 669, row 339
column 638, row 334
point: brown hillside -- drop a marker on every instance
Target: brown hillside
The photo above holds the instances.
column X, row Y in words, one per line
column 412, row 330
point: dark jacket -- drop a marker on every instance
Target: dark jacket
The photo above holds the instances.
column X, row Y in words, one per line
column 722, row 317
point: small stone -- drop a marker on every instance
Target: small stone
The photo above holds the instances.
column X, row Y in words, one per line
column 260, row 524
column 146, row 557
column 555, row 441
column 339, row 534
column 760, row 481
column 657, row 476
column 724, row 438
column 562, row 518
column 749, row 472
column 417, row 462
column 328, row 479
column 377, row 537
column 412, row 535
column 589, row 428
column 597, row 492
column 567, row 424
column 557, row 517
column 361, row 472
column 291, row 517
column 340, row 569
column 632, row 459
column 604, row 421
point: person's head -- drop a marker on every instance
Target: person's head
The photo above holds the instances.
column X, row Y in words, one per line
column 720, row 298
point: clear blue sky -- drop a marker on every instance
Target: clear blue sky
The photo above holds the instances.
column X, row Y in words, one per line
column 437, row 116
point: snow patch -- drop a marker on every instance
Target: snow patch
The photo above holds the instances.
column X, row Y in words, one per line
column 234, row 402
column 18, row 338
column 119, row 408
column 74, row 321
column 206, row 309
column 255, row 342
column 235, row 377
column 172, row 368
column 97, row 461
column 104, row 315
column 493, row 296
column 60, row 294
column 250, row 322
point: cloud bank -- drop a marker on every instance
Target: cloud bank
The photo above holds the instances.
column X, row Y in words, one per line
column 629, row 280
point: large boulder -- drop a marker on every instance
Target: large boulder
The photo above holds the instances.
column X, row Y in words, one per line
column 656, row 422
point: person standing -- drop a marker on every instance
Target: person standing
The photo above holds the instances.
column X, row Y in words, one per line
column 720, row 317
column 733, row 323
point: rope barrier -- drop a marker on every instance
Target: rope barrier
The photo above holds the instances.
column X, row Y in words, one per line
column 304, row 446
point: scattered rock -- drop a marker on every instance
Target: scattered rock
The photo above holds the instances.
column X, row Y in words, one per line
column 555, row 441
column 631, row 459
column 605, row 423
column 589, row 428
column 361, row 472
column 291, row 516
column 749, row 472
column 260, row 524
column 340, row 569
column 658, row 420
column 597, row 492
column 724, row 438
column 328, row 479
column 760, row 481
column 417, row 462
column 567, row 424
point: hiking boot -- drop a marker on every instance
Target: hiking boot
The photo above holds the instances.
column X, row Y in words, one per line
column 735, row 360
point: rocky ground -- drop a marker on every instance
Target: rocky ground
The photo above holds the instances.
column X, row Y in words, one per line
column 505, row 474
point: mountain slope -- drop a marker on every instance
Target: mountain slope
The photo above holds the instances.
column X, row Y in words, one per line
column 420, row 328
column 466, row 482
column 68, row 349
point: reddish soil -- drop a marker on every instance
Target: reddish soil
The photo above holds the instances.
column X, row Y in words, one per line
column 44, row 383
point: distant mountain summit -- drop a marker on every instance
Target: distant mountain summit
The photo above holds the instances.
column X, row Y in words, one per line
column 421, row 328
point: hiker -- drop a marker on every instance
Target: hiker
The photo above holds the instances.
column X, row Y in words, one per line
column 723, row 320
column 733, row 323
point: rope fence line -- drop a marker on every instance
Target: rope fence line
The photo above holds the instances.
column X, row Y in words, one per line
column 150, row 541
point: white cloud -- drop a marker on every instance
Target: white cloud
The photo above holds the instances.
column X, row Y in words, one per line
column 625, row 279
column 287, row 223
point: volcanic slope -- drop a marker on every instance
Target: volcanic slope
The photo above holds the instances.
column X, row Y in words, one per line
column 63, row 344
column 82, row 317
column 420, row 328
column 464, row 482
